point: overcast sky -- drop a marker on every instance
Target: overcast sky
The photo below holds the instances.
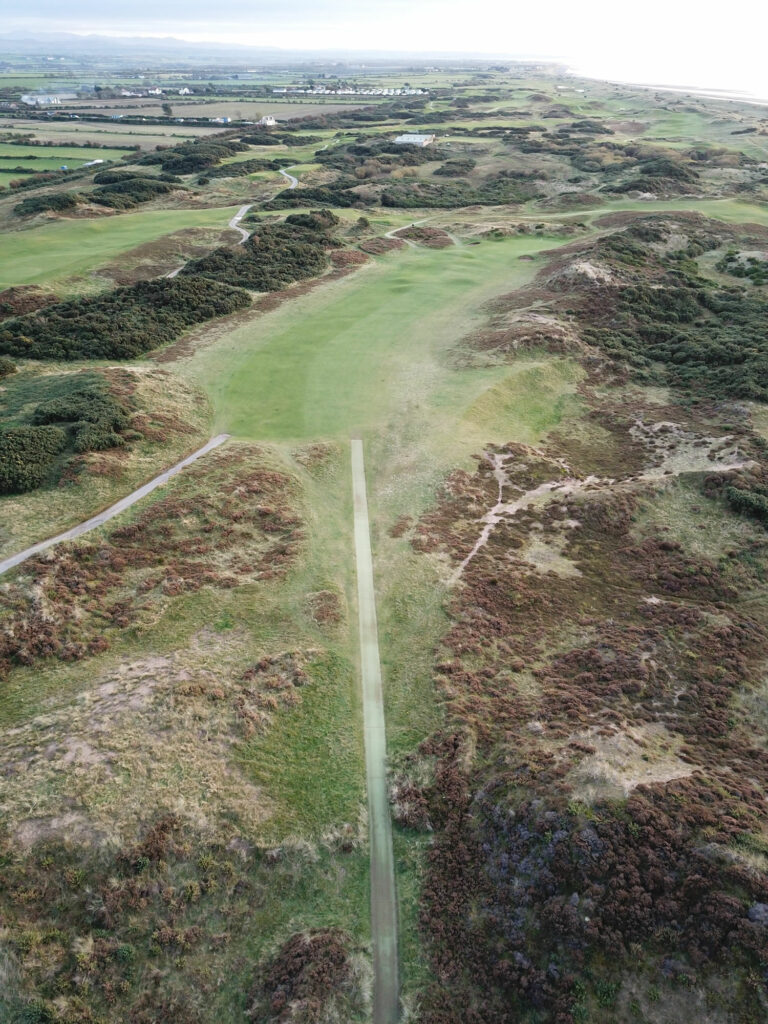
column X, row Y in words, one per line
column 686, row 42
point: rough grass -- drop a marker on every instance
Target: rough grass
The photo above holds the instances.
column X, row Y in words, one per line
column 172, row 416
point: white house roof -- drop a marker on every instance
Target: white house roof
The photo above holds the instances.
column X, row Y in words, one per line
column 414, row 140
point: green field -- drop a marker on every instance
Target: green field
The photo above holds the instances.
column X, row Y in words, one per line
column 53, row 156
column 59, row 251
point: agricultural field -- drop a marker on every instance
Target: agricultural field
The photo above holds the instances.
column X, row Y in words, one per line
column 547, row 329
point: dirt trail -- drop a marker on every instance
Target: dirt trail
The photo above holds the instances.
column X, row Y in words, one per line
column 676, row 460
column 383, row 896
column 114, row 510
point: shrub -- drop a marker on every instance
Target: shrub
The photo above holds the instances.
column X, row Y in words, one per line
column 7, row 367
column 123, row 195
column 455, row 168
column 27, row 455
column 122, row 324
column 275, row 255
column 94, row 416
column 57, row 201
column 750, row 503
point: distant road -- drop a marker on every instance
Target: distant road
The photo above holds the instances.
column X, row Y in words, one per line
column 113, row 510
column 383, row 896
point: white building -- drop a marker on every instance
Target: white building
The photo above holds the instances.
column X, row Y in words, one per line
column 415, row 140
column 267, row 121
column 184, row 91
column 40, row 101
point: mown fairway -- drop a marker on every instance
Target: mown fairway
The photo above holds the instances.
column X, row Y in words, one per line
column 348, row 356
column 65, row 248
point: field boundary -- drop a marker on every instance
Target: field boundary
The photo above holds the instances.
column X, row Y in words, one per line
column 113, row 510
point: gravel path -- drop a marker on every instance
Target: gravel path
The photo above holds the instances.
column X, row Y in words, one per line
column 114, row 510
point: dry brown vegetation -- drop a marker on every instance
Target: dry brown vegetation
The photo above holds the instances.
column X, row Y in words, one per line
column 229, row 521
column 598, row 795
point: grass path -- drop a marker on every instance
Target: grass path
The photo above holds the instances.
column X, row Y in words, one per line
column 383, row 896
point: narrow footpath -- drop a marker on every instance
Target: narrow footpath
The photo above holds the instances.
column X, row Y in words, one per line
column 383, row 896
column 114, row 510
column 293, row 182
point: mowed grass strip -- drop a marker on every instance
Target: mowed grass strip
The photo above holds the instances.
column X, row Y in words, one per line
column 63, row 249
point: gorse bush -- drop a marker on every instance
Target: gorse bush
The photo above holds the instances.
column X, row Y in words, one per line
column 190, row 157
column 27, row 455
column 122, row 324
column 57, row 201
column 122, row 195
column 274, row 256
column 93, row 416
column 7, row 367
column 239, row 168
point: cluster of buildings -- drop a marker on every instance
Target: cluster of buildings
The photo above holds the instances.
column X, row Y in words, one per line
column 47, row 99
column 321, row 90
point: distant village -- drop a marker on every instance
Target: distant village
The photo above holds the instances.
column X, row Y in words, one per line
column 322, row 90
column 89, row 91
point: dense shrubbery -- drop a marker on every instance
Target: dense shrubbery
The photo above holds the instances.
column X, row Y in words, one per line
column 712, row 341
column 377, row 156
column 7, row 367
column 93, row 416
column 752, row 267
column 122, row 324
column 240, row 168
column 677, row 327
column 319, row 221
column 113, row 177
column 190, row 157
column 56, row 201
column 270, row 138
column 275, row 255
column 456, row 168
column 748, row 502
column 27, row 455
column 500, row 188
column 122, row 195
column 338, row 193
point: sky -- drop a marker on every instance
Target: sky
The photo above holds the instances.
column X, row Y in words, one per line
column 675, row 42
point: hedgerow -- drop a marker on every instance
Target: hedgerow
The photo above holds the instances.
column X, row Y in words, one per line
column 122, row 324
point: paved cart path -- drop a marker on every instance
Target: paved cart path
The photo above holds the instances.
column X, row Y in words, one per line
column 383, row 897
column 114, row 510
column 293, row 181
column 235, row 225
